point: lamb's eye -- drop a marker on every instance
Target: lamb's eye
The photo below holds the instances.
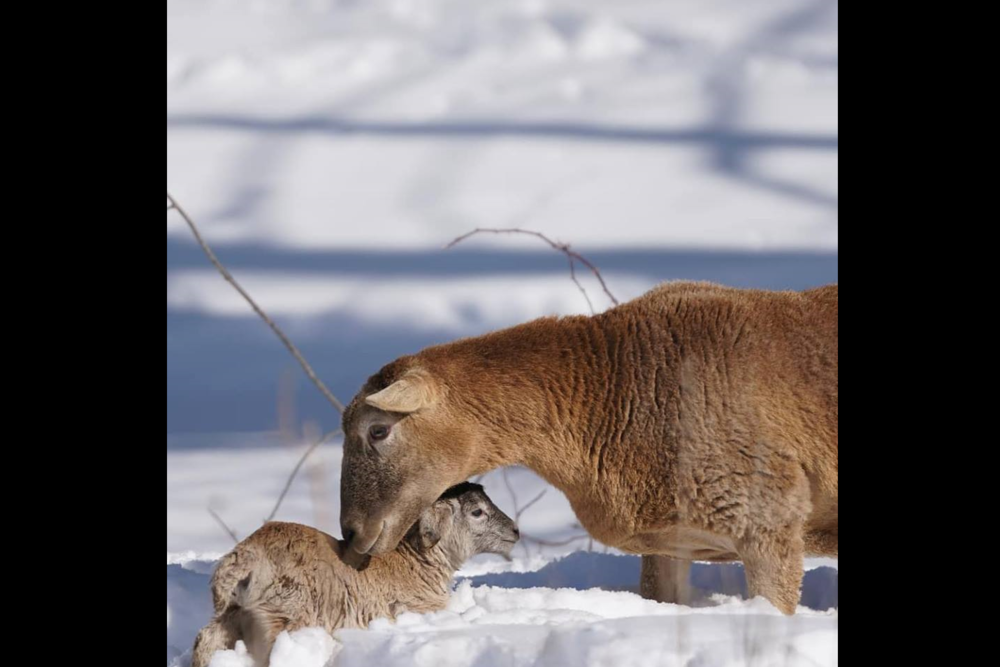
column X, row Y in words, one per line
column 378, row 432
column 477, row 513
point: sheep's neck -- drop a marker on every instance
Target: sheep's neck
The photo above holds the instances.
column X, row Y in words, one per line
column 546, row 386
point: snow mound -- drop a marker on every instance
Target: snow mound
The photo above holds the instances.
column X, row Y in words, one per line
column 559, row 612
column 308, row 647
column 542, row 626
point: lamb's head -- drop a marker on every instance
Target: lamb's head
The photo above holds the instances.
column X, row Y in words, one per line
column 464, row 522
column 405, row 443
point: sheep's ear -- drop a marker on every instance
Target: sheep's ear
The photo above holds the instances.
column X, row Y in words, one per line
column 410, row 393
column 433, row 525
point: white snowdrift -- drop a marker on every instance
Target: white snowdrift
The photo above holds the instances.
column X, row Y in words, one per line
column 543, row 626
column 513, row 625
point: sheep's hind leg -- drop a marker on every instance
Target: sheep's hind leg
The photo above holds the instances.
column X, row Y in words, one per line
column 259, row 628
column 665, row 579
column 216, row 636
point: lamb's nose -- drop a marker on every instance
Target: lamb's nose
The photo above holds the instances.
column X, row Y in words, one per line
column 517, row 533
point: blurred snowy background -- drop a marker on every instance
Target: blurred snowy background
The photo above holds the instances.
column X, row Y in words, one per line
column 330, row 149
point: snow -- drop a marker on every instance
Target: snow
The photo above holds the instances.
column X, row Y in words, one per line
column 238, row 657
column 308, row 647
column 543, row 626
column 522, row 623
column 548, row 606
column 315, row 124
column 329, row 149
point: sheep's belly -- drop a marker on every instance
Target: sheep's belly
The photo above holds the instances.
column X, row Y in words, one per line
column 685, row 543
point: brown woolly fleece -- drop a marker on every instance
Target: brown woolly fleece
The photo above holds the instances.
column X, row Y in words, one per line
column 696, row 421
column 287, row 576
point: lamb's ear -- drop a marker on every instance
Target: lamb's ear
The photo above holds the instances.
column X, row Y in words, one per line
column 432, row 526
column 410, row 393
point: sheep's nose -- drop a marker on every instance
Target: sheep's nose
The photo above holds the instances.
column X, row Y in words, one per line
column 349, row 530
column 350, row 556
column 517, row 532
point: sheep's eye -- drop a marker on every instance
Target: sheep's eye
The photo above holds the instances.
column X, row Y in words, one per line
column 477, row 513
column 378, row 432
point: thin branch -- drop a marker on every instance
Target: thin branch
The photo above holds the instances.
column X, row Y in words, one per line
column 510, row 490
column 253, row 304
column 551, row 543
column 572, row 275
column 519, row 510
column 523, row 542
column 517, row 516
column 564, row 248
column 295, row 471
column 222, row 523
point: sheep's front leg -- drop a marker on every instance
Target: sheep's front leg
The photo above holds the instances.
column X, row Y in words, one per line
column 665, row 579
column 774, row 568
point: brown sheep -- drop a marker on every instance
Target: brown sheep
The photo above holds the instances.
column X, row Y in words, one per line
column 286, row 576
column 696, row 422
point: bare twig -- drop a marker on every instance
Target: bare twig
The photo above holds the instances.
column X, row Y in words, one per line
column 517, row 516
column 519, row 510
column 253, row 304
column 319, row 482
column 564, row 248
column 222, row 523
column 510, row 490
column 572, row 538
column 572, row 275
column 295, row 471
column 556, row 543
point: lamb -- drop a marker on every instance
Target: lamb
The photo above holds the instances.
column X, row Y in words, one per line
column 696, row 422
column 290, row 576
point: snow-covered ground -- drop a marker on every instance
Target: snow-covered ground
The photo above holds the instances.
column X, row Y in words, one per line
column 509, row 619
column 571, row 602
column 330, row 148
column 493, row 626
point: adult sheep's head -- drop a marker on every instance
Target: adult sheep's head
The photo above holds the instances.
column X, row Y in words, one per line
column 402, row 448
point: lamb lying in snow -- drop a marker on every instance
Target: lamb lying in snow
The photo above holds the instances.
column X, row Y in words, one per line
column 287, row 576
